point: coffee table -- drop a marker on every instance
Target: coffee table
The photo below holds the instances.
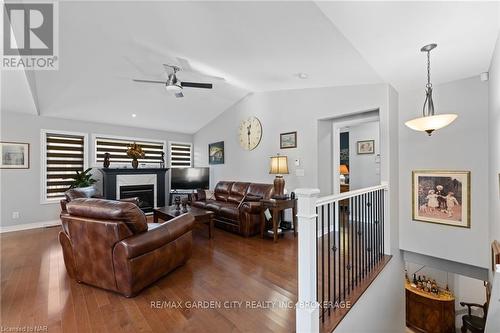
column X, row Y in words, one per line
column 201, row 216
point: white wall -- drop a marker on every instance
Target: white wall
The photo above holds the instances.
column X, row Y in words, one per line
column 20, row 190
column 301, row 111
column 494, row 141
column 364, row 171
column 461, row 146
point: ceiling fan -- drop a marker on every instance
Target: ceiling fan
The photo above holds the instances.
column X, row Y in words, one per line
column 175, row 85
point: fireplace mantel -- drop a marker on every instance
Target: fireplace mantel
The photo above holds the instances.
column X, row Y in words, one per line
column 109, row 181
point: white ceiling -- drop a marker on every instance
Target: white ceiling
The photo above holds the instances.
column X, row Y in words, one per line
column 256, row 46
column 390, row 34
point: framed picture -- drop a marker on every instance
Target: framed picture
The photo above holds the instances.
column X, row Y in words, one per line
column 216, row 153
column 441, row 197
column 14, row 155
column 288, row 140
column 366, row 147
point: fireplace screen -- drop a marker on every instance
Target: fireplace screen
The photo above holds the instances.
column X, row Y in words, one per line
column 145, row 193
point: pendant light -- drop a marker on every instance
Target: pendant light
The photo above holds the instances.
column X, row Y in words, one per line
column 430, row 122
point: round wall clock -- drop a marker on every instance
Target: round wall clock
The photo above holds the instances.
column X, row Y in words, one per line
column 250, row 133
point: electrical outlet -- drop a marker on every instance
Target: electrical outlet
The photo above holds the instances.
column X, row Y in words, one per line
column 15, row 215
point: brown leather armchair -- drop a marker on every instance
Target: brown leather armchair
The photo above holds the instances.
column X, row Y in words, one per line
column 87, row 192
column 109, row 244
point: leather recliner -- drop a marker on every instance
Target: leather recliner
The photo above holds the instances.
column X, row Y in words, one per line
column 236, row 205
column 109, row 244
column 87, row 192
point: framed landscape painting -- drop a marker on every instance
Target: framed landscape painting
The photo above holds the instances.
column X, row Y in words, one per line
column 216, row 153
column 441, row 197
column 14, row 155
column 366, row 147
column 288, row 140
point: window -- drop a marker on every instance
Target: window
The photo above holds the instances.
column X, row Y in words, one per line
column 63, row 154
column 117, row 148
column 180, row 154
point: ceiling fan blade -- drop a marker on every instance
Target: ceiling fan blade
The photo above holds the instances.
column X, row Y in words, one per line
column 149, row 81
column 196, row 85
column 179, row 94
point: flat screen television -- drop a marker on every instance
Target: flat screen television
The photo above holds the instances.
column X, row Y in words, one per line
column 189, row 178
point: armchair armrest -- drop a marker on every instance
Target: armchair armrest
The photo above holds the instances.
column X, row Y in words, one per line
column 471, row 305
column 148, row 241
column 252, row 207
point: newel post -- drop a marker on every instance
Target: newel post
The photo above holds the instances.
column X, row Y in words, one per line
column 307, row 309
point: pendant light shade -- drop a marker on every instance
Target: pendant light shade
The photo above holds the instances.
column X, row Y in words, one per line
column 430, row 122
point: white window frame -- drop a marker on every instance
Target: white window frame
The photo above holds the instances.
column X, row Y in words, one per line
column 190, row 144
column 43, row 160
column 117, row 137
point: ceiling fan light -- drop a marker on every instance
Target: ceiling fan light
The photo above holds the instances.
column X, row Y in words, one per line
column 173, row 87
column 431, row 123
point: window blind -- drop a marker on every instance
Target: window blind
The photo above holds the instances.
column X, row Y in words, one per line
column 64, row 157
column 180, row 155
column 117, row 148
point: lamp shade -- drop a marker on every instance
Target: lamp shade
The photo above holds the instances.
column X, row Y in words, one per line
column 279, row 165
column 343, row 169
column 430, row 123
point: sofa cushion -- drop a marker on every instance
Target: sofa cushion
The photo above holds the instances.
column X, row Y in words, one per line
column 237, row 192
column 222, row 190
column 213, row 205
column 199, row 204
column 261, row 191
column 230, row 212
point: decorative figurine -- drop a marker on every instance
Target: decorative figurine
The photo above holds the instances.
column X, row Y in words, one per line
column 162, row 163
column 177, row 202
column 106, row 162
column 184, row 202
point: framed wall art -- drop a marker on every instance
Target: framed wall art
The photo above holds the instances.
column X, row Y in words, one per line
column 366, row 147
column 216, row 153
column 288, row 140
column 441, row 197
column 14, row 155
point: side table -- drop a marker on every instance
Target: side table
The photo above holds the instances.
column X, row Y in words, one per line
column 276, row 206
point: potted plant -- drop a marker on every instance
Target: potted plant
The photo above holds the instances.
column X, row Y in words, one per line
column 135, row 152
column 84, row 181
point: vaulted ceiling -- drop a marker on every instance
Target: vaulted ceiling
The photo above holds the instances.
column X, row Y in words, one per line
column 255, row 46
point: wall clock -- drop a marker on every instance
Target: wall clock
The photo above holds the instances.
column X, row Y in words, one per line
column 250, row 133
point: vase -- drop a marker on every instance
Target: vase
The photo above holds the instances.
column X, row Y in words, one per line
column 135, row 163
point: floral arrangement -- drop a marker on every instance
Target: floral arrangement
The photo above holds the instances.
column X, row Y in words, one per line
column 135, row 151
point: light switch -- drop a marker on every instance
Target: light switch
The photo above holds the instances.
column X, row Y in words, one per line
column 297, row 162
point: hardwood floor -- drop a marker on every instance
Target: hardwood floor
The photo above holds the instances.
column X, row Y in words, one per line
column 36, row 291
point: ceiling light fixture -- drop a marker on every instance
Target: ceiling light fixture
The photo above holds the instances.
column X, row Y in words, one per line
column 430, row 122
column 302, row 76
column 134, row 115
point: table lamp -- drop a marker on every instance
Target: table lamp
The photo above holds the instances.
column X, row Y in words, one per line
column 279, row 167
column 343, row 170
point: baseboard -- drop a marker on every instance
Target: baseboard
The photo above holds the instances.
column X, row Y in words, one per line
column 27, row 226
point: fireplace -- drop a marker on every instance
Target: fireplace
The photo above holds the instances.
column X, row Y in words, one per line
column 145, row 193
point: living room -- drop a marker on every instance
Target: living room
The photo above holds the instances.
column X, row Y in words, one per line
column 247, row 174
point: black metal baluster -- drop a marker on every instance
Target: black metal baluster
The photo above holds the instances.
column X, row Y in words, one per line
column 372, row 231
column 317, row 257
column 357, row 239
column 322, row 259
column 383, row 220
column 381, row 231
column 351, row 245
column 334, row 248
column 328, row 249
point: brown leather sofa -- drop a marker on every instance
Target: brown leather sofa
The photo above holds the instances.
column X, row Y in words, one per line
column 236, row 205
column 109, row 244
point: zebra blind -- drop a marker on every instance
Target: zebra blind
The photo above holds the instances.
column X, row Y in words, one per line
column 180, row 155
column 117, row 148
column 64, row 157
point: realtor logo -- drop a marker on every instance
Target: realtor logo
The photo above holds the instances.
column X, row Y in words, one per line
column 30, row 36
